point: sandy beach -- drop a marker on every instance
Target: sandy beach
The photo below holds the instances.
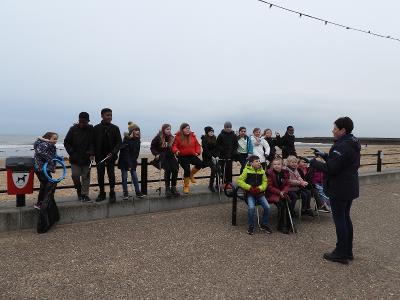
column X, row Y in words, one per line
column 153, row 173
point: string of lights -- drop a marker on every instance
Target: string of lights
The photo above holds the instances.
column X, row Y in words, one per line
column 326, row 22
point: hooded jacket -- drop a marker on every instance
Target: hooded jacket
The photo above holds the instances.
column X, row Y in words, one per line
column 191, row 148
column 227, row 144
column 210, row 149
column 249, row 144
column 286, row 143
column 341, row 169
column 79, row 144
column 251, row 177
column 45, row 151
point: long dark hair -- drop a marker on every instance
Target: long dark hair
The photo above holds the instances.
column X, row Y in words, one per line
column 184, row 138
column 168, row 140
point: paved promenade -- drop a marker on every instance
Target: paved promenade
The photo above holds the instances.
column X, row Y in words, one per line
column 196, row 253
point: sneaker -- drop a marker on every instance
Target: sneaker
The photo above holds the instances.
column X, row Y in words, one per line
column 324, row 209
column 37, row 206
column 140, row 195
column 211, row 188
column 112, row 198
column 168, row 192
column 250, row 230
column 101, row 197
column 266, row 228
column 86, row 199
column 125, row 196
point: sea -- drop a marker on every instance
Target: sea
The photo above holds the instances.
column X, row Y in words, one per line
column 22, row 145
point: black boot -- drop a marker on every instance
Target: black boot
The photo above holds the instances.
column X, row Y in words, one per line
column 174, row 191
column 168, row 192
column 101, row 196
column 112, row 197
column 211, row 185
column 79, row 194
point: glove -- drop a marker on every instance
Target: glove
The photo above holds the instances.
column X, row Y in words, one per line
column 319, row 153
column 254, row 190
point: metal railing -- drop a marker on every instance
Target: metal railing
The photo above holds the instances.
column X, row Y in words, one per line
column 144, row 180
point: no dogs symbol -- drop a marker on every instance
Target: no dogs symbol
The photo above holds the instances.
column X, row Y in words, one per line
column 20, row 179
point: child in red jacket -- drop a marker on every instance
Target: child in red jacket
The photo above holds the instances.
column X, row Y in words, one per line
column 277, row 192
column 187, row 148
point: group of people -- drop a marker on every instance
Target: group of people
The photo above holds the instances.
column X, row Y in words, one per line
column 265, row 176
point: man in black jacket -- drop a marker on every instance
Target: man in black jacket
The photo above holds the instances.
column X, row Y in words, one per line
column 79, row 145
column 107, row 141
column 342, row 186
column 286, row 143
column 227, row 147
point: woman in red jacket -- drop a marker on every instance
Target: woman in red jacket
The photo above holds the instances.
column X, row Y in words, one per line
column 277, row 192
column 187, row 148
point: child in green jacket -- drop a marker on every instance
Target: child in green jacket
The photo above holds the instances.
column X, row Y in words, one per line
column 254, row 181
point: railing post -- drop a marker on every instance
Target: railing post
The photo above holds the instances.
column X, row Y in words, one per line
column 234, row 206
column 143, row 175
column 379, row 161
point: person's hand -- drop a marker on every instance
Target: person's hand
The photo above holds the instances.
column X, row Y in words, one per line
column 319, row 153
column 91, row 157
column 177, row 153
column 157, row 156
column 304, row 183
column 254, row 190
column 196, row 154
column 281, row 194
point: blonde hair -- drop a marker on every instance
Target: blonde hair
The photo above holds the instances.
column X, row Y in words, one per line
column 48, row 135
column 292, row 158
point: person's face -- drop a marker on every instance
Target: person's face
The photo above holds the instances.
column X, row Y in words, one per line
column 293, row 164
column 277, row 165
column 136, row 133
column 167, row 131
column 268, row 133
column 302, row 164
column 242, row 132
column 256, row 164
column 257, row 133
column 338, row 133
column 83, row 123
column 228, row 129
column 107, row 117
column 54, row 139
column 290, row 131
column 210, row 133
column 186, row 130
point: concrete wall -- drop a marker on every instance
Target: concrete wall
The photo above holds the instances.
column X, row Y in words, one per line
column 13, row 218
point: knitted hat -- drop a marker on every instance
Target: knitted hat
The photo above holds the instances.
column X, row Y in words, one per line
column 207, row 129
column 227, row 124
column 252, row 158
column 132, row 126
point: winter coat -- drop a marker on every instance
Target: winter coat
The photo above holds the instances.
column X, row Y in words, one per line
column 210, row 149
column 227, row 144
column 294, row 180
column 341, row 169
column 251, row 177
column 286, row 143
column 307, row 175
column 249, row 144
column 79, row 144
column 129, row 153
column 164, row 154
column 272, row 151
column 106, row 135
column 191, row 148
column 274, row 188
column 261, row 148
column 318, row 177
column 45, row 151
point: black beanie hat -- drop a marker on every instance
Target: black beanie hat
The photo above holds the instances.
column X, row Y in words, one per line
column 207, row 129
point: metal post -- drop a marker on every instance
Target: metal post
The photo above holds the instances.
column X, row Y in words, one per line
column 20, row 200
column 143, row 175
column 234, row 207
column 379, row 161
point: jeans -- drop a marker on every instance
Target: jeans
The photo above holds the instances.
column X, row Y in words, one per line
column 344, row 226
column 135, row 181
column 321, row 194
column 251, row 202
column 81, row 178
column 226, row 169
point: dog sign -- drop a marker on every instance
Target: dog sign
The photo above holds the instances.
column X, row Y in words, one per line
column 20, row 179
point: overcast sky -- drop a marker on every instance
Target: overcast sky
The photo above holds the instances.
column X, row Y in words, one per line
column 202, row 62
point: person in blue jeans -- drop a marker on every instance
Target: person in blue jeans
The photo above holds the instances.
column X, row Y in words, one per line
column 254, row 181
column 128, row 159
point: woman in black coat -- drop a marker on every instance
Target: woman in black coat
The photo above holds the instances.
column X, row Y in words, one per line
column 210, row 150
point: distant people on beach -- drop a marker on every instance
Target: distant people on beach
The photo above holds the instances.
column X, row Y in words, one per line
column 107, row 142
column 79, row 144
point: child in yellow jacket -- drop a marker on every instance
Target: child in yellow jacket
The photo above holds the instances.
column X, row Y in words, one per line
column 254, row 181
